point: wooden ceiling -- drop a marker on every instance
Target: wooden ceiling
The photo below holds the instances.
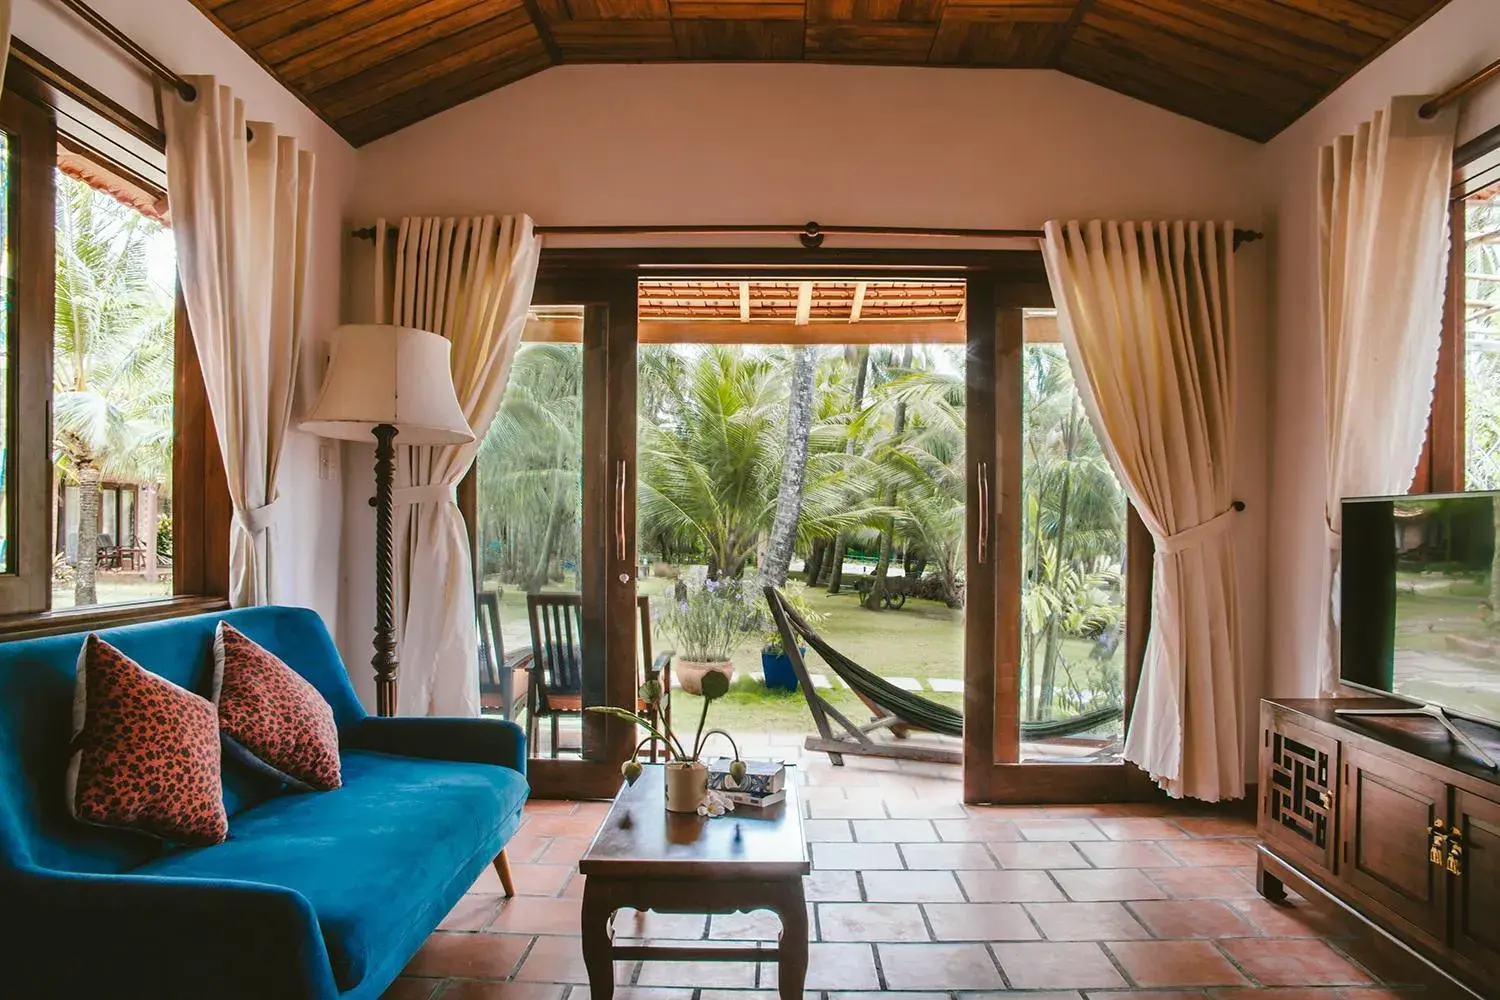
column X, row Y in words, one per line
column 371, row 67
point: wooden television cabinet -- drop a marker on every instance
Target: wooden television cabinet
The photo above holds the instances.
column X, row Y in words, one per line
column 1393, row 818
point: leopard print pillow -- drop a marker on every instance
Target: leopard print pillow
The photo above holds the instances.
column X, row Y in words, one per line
column 145, row 752
column 271, row 717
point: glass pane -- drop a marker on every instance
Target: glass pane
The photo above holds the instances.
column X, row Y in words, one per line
column 727, row 499
column 113, row 376
column 1482, row 341
column 6, row 395
column 1073, row 569
column 529, row 528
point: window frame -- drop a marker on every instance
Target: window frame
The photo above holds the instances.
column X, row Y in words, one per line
column 1476, row 166
column 37, row 95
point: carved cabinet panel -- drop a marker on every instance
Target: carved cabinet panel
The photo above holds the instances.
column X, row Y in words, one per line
column 1301, row 771
column 1394, row 836
column 1476, row 882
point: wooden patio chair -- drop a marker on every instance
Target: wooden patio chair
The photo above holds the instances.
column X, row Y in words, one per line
column 555, row 686
column 498, row 668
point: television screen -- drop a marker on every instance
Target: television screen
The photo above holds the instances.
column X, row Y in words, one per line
column 1420, row 584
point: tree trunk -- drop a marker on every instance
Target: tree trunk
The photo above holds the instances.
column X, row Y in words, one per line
column 84, row 591
column 857, row 402
column 876, row 599
column 146, row 517
column 814, row 565
column 793, row 469
column 541, row 570
column 1054, row 627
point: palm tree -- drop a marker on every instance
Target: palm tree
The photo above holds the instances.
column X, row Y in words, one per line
column 860, row 361
column 793, row 467
column 711, row 462
column 530, row 465
column 112, row 360
column 1073, row 527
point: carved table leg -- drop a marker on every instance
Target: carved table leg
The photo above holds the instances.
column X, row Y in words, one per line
column 792, row 950
column 598, row 939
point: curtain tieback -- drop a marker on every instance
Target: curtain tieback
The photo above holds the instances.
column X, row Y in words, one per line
column 1332, row 537
column 258, row 519
column 436, row 493
column 1197, row 534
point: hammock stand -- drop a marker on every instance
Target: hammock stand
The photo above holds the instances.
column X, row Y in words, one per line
column 895, row 709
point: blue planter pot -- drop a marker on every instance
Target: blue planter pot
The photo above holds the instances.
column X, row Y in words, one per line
column 778, row 671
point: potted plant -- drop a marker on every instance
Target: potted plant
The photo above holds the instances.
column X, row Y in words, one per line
column 706, row 621
column 685, row 774
column 774, row 661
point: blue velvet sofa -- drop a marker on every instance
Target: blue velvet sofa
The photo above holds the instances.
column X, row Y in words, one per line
column 316, row 895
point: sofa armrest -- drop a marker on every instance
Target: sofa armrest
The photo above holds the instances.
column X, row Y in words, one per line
column 478, row 741
column 143, row 936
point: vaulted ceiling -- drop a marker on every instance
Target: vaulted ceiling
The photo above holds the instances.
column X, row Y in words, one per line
column 371, row 67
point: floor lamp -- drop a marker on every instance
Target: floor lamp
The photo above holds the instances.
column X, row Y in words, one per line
column 388, row 382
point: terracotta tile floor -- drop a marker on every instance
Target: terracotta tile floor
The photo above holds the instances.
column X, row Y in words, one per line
column 917, row 896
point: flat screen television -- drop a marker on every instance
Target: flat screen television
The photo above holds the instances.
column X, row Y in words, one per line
column 1419, row 586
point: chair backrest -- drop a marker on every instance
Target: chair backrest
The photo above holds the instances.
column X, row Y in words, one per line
column 557, row 641
column 491, row 641
column 36, row 724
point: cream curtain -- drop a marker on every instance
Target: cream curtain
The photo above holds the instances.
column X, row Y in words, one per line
column 241, row 216
column 1147, row 314
column 469, row 279
column 1383, row 215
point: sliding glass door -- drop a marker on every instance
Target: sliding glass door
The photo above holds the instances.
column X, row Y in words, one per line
column 957, row 531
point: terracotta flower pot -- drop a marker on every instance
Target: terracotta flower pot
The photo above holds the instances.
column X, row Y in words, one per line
column 687, row 786
column 688, row 674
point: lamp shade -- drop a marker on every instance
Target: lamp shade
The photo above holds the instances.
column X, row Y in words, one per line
column 389, row 375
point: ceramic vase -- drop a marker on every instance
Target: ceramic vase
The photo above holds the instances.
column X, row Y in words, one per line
column 687, row 786
column 688, row 674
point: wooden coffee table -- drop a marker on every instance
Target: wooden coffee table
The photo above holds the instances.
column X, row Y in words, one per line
column 646, row 858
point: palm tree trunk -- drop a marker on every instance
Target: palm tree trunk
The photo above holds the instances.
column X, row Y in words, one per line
column 814, row 564
column 542, row 569
column 84, row 591
column 1054, row 627
column 876, row 599
column 793, row 468
column 857, row 402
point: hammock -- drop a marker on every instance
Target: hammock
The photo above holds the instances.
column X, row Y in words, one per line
column 902, row 707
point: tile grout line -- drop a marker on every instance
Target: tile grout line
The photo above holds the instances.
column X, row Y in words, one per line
column 1119, row 966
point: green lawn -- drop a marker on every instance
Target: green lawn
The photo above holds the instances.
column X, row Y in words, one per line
column 925, row 639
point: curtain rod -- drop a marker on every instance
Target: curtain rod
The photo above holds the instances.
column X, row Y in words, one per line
column 131, row 48
column 1458, row 90
column 810, row 234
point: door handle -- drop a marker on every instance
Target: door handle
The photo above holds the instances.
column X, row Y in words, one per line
column 1439, row 842
column 982, row 473
column 620, row 510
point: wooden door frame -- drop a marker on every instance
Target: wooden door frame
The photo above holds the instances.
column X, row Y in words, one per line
column 1001, row 283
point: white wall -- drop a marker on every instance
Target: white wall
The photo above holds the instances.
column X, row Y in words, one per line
column 1459, row 39
column 840, row 144
column 182, row 38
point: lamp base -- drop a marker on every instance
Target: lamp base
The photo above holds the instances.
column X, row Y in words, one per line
column 384, row 661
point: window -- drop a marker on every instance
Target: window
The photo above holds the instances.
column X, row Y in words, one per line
column 113, row 505
column 1463, row 440
column 1481, row 339
column 112, row 395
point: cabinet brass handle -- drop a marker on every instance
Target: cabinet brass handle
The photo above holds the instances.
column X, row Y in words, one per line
column 1438, row 846
column 1455, row 864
